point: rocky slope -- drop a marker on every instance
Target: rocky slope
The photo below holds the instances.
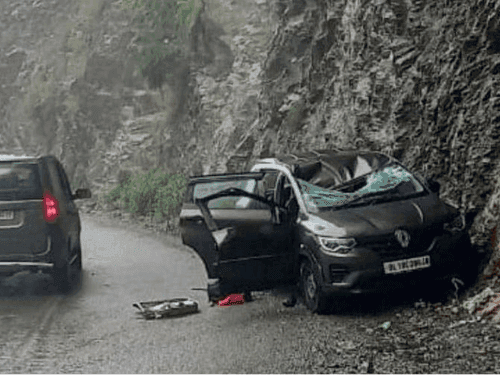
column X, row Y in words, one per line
column 69, row 86
column 417, row 79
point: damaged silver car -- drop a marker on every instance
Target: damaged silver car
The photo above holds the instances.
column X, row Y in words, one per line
column 335, row 222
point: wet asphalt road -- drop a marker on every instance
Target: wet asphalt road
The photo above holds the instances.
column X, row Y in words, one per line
column 97, row 330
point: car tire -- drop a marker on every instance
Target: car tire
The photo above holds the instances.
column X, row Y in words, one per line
column 470, row 268
column 63, row 273
column 62, row 278
column 311, row 289
column 77, row 266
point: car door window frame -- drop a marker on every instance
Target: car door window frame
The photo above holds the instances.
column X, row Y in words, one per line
column 66, row 188
column 285, row 171
column 54, row 183
column 283, row 212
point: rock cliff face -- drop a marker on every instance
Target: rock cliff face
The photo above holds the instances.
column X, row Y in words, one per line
column 69, row 86
column 68, row 80
column 229, row 43
column 414, row 78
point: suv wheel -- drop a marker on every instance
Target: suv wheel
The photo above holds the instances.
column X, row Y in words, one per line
column 311, row 289
column 63, row 272
column 77, row 265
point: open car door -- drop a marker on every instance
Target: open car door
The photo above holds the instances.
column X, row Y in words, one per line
column 233, row 227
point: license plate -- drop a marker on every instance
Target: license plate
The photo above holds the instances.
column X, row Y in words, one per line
column 406, row 265
column 6, row 215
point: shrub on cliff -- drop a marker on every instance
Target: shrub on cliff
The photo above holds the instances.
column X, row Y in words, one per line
column 153, row 193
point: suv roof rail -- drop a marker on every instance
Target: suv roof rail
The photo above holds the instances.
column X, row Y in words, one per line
column 8, row 157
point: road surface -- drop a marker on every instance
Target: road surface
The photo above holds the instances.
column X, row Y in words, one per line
column 96, row 329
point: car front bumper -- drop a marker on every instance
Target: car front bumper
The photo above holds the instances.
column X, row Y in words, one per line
column 364, row 271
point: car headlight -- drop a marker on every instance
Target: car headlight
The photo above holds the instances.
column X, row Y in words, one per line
column 456, row 225
column 337, row 245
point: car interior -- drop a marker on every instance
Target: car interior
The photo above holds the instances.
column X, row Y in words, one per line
column 285, row 198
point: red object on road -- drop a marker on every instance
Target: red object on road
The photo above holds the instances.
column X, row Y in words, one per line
column 232, row 299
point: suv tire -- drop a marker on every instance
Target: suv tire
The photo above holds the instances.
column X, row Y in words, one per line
column 311, row 289
column 63, row 273
column 77, row 266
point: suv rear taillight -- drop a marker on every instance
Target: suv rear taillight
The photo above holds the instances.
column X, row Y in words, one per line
column 50, row 207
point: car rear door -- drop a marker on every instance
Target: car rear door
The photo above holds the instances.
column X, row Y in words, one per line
column 228, row 221
column 22, row 233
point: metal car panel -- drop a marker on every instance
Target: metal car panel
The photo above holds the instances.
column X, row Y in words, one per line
column 370, row 220
column 195, row 234
column 244, row 247
column 257, row 253
column 25, row 233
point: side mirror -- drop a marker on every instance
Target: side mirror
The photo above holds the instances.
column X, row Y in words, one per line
column 433, row 185
column 82, row 194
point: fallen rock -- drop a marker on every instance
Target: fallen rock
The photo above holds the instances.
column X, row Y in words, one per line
column 485, row 304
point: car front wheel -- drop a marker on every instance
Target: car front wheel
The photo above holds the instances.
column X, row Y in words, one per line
column 469, row 269
column 311, row 289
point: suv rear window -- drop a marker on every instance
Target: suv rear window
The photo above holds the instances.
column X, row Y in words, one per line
column 19, row 181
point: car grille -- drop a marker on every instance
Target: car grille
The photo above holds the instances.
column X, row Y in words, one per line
column 338, row 273
column 387, row 246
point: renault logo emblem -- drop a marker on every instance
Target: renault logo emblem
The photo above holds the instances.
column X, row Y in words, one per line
column 403, row 237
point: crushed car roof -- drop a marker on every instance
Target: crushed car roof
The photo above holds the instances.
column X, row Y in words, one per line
column 331, row 167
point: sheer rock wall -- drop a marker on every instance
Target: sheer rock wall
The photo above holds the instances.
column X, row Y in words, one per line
column 415, row 78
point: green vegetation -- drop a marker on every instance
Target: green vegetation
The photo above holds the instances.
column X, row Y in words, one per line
column 153, row 193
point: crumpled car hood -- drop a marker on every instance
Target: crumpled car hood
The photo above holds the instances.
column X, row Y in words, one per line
column 386, row 217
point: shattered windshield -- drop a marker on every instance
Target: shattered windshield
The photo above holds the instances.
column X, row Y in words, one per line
column 392, row 179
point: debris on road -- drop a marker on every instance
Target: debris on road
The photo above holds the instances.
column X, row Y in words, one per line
column 474, row 304
column 492, row 309
column 462, row 322
column 167, row 308
column 420, row 304
column 385, row 325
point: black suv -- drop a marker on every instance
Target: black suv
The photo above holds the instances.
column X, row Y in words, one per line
column 39, row 221
column 339, row 222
